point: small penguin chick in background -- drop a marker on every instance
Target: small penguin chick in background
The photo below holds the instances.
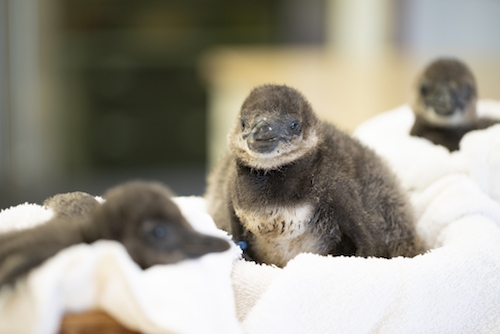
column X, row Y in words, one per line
column 141, row 215
column 292, row 183
column 444, row 104
column 71, row 205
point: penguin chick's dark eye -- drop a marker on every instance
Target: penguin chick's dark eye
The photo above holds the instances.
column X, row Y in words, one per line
column 466, row 91
column 295, row 126
column 243, row 124
column 424, row 89
column 158, row 231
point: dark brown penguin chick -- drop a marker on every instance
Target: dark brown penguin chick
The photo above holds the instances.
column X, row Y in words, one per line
column 140, row 215
column 445, row 104
column 292, row 183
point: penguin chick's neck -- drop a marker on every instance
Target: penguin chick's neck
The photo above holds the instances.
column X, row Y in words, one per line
column 449, row 137
column 275, row 208
column 285, row 184
column 462, row 126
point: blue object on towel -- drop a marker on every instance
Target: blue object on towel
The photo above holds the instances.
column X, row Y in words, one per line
column 243, row 244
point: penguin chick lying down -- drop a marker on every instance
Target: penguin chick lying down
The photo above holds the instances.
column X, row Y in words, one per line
column 292, row 183
column 445, row 104
column 140, row 215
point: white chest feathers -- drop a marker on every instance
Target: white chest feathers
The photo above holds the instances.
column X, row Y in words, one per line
column 280, row 232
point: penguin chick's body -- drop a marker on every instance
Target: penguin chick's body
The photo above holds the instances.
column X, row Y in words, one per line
column 445, row 104
column 140, row 215
column 292, row 183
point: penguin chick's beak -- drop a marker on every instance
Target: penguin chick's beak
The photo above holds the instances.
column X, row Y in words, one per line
column 443, row 103
column 198, row 244
column 264, row 137
column 167, row 237
column 447, row 101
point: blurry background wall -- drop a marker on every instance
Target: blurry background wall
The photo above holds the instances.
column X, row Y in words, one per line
column 95, row 92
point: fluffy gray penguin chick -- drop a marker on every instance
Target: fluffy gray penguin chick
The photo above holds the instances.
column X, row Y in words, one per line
column 75, row 204
column 141, row 215
column 292, row 183
column 444, row 103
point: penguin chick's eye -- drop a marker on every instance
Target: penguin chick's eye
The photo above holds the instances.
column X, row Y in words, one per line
column 158, row 231
column 466, row 91
column 243, row 124
column 424, row 89
column 295, row 126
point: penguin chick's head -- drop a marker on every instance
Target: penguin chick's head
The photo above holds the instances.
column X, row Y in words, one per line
column 144, row 218
column 446, row 94
column 276, row 126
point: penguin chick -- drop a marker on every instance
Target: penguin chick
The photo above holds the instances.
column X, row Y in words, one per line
column 292, row 183
column 445, row 104
column 71, row 205
column 140, row 215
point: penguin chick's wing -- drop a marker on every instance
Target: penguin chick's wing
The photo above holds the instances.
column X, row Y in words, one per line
column 21, row 251
column 141, row 215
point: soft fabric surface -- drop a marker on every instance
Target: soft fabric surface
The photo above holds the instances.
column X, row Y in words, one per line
column 453, row 288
